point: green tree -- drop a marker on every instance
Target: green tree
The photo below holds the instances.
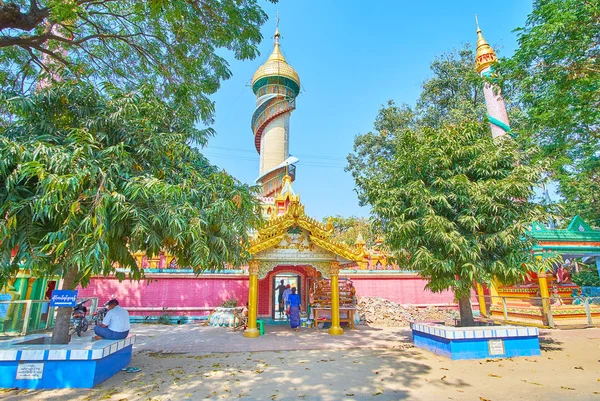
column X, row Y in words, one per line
column 454, row 198
column 169, row 44
column 455, row 91
column 88, row 176
column 555, row 75
column 347, row 229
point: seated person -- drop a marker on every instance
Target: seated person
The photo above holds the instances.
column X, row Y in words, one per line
column 555, row 298
column 115, row 325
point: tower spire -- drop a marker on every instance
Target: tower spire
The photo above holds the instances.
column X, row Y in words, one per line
column 276, row 85
column 485, row 57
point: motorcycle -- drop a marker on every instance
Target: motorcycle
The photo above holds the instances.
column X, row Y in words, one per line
column 80, row 322
column 98, row 316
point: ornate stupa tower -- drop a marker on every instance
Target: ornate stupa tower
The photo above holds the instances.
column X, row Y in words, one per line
column 276, row 86
column 485, row 57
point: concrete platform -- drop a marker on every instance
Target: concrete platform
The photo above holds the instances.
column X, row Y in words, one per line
column 33, row 362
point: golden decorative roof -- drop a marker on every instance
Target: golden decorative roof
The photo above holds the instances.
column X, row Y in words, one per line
column 320, row 234
column 276, row 65
column 484, row 55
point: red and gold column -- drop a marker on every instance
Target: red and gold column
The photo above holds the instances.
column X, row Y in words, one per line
column 251, row 330
column 334, row 271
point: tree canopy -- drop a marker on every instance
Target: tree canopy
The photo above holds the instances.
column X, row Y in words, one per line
column 91, row 172
column 454, row 92
column 87, row 177
column 170, row 45
column 347, row 229
column 555, row 75
column 453, row 198
column 453, row 203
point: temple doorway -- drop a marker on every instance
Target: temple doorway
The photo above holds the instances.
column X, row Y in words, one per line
column 294, row 280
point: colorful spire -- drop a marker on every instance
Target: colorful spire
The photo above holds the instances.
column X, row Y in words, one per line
column 484, row 55
column 496, row 109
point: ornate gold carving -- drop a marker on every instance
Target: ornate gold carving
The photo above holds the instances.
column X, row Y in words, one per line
column 265, row 267
column 253, row 267
column 268, row 265
column 275, row 232
column 334, row 268
column 338, row 249
column 266, row 244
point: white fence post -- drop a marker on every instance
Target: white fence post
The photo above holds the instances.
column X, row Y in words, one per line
column 26, row 318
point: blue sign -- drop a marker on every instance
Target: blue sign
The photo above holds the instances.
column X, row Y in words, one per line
column 64, row 298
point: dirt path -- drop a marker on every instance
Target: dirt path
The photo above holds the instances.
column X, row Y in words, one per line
column 569, row 368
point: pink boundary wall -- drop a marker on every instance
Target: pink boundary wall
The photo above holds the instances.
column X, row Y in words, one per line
column 402, row 289
column 186, row 294
column 197, row 296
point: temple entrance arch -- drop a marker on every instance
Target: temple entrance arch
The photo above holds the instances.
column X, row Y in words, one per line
column 300, row 275
column 291, row 240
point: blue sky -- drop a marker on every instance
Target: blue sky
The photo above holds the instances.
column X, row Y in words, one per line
column 352, row 57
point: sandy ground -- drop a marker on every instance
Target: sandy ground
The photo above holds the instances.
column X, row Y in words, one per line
column 176, row 365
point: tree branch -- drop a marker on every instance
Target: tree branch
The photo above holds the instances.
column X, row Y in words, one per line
column 11, row 16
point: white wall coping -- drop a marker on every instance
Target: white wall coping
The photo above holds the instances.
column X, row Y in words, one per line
column 10, row 350
column 477, row 332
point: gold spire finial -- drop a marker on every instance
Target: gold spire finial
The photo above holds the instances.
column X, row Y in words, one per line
column 484, row 54
column 277, row 34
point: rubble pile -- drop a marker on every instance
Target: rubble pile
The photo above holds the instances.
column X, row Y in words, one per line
column 377, row 311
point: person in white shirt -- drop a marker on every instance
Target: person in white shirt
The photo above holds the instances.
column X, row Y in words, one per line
column 115, row 325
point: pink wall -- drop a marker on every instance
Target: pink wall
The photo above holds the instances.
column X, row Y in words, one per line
column 402, row 290
column 187, row 293
column 199, row 295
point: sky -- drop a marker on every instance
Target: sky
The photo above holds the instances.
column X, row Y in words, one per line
column 352, row 57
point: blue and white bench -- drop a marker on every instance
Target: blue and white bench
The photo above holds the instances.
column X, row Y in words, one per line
column 24, row 364
column 476, row 342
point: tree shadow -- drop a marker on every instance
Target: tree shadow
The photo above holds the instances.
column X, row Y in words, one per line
column 548, row 344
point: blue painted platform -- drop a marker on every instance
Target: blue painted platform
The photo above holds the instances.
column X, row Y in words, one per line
column 51, row 366
column 476, row 342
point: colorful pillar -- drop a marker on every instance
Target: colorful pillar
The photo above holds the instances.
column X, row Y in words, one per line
column 334, row 271
column 30, row 282
column 485, row 57
column 251, row 330
column 481, row 298
column 545, row 294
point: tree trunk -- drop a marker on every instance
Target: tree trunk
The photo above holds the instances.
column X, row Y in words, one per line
column 62, row 324
column 466, row 311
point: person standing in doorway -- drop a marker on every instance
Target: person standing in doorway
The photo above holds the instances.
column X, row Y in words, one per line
column 295, row 305
column 286, row 294
column 281, row 288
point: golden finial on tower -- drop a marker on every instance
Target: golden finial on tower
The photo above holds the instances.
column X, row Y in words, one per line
column 277, row 35
column 276, row 65
column 484, row 54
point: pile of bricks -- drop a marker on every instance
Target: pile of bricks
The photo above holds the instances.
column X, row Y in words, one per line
column 377, row 311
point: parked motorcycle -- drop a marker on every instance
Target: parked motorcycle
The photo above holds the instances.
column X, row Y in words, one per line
column 80, row 322
column 99, row 315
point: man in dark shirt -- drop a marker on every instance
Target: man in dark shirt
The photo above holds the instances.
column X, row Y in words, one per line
column 281, row 288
